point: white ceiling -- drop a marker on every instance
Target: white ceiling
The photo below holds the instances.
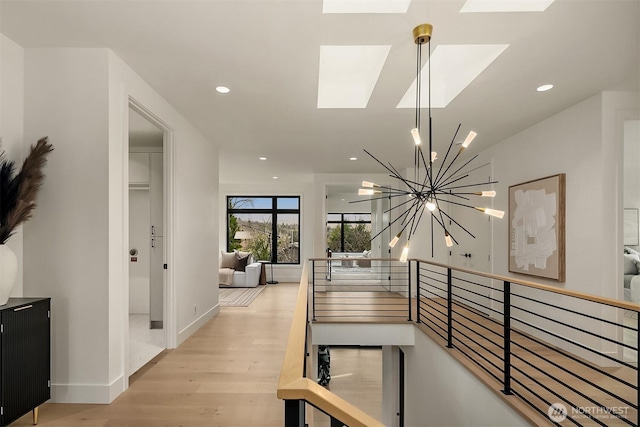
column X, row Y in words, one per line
column 267, row 52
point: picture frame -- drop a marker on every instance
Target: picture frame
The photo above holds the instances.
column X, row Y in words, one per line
column 630, row 226
column 537, row 227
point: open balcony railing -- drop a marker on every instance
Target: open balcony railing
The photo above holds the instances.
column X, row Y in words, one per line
column 360, row 289
column 570, row 356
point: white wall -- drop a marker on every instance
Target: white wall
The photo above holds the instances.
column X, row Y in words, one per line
column 441, row 390
column 308, row 216
column 12, row 126
column 75, row 247
column 580, row 142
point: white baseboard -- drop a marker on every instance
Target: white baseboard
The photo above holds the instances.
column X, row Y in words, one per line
column 87, row 393
column 197, row 324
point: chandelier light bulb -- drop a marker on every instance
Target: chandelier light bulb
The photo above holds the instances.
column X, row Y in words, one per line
column 469, row 139
column 448, row 240
column 395, row 240
column 416, row 136
column 431, row 206
column 492, row 212
column 368, row 184
column 434, row 156
column 405, row 253
column 368, row 192
column 486, row 193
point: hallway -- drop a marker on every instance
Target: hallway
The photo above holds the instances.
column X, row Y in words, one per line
column 225, row 375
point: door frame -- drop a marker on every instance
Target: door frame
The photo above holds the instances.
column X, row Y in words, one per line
column 169, row 297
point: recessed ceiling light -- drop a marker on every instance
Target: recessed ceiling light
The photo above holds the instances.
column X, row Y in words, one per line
column 223, row 89
column 275, row 177
column 353, row 158
column 544, row 88
column 262, row 158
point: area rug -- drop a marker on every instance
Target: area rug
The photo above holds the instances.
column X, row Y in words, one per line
column 239, row 297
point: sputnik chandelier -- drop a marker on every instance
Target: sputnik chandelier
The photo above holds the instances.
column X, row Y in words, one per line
column 429, row 189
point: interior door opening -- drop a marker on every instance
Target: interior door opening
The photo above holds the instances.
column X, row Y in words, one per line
column 147, row 337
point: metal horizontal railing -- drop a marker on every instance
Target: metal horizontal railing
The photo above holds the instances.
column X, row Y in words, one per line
column 572, row 357
column 360, row 289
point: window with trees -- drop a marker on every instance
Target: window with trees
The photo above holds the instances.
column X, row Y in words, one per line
column 266, row 226
column 349, row 232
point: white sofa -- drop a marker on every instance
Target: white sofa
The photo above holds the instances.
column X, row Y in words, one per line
column 631, row 275
column 231, row 275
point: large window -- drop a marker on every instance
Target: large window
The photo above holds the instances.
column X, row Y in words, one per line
column 268, row 227
column 349, row 232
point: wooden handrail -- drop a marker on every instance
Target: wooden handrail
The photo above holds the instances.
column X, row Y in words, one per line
column 293, row 385
column 594, row 298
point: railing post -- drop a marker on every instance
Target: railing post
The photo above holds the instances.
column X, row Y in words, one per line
column 637, row 360
column 417, row 291
column 449, row 310
column 294, row 413
column 409, row 288
column 313, row 288
column 507, row 337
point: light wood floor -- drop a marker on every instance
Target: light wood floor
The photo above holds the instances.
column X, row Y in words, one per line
column 225, row 375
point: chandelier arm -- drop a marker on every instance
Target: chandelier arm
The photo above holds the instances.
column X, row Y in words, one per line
column 401, row 204
column 420, row 210
column 460, row 177
column 459, row 204
column 468, row 185
column 451, row 175
column 394, row 221
column 449, row 150
column 435, row 197
column 442, row 177
column 459, row 225
column 377, row 198
column 397, row 175
column 443, row 227
column 393, row 172
column 428, row 170
column 454, row 194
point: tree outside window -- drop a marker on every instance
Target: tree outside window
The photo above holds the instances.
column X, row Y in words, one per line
column 273, row 224
column 349, row 232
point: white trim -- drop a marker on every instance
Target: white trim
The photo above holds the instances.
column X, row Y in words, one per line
column 168, row 149
column 363, row 334
column 87, row 393
column 197, row 324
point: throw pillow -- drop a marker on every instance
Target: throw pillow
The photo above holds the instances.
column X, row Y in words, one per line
column 241, row 262
column 630, row 264
column 227, row 259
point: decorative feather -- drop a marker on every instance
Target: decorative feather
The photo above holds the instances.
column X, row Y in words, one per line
column 18, row 194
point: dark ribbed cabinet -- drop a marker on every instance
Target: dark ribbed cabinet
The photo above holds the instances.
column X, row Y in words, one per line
column 25, row 348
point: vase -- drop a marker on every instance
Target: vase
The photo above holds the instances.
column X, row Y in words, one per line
column 8, row 272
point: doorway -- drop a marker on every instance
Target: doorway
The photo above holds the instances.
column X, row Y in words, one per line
column 147, row 336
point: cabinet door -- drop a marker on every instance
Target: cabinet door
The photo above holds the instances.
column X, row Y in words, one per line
column 25, row 359
column 138, row 168
column 156, row 193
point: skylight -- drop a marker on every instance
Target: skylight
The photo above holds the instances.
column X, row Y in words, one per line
column 365, row 6
column 348, row 74
column 453, row 68
column 473, row 6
